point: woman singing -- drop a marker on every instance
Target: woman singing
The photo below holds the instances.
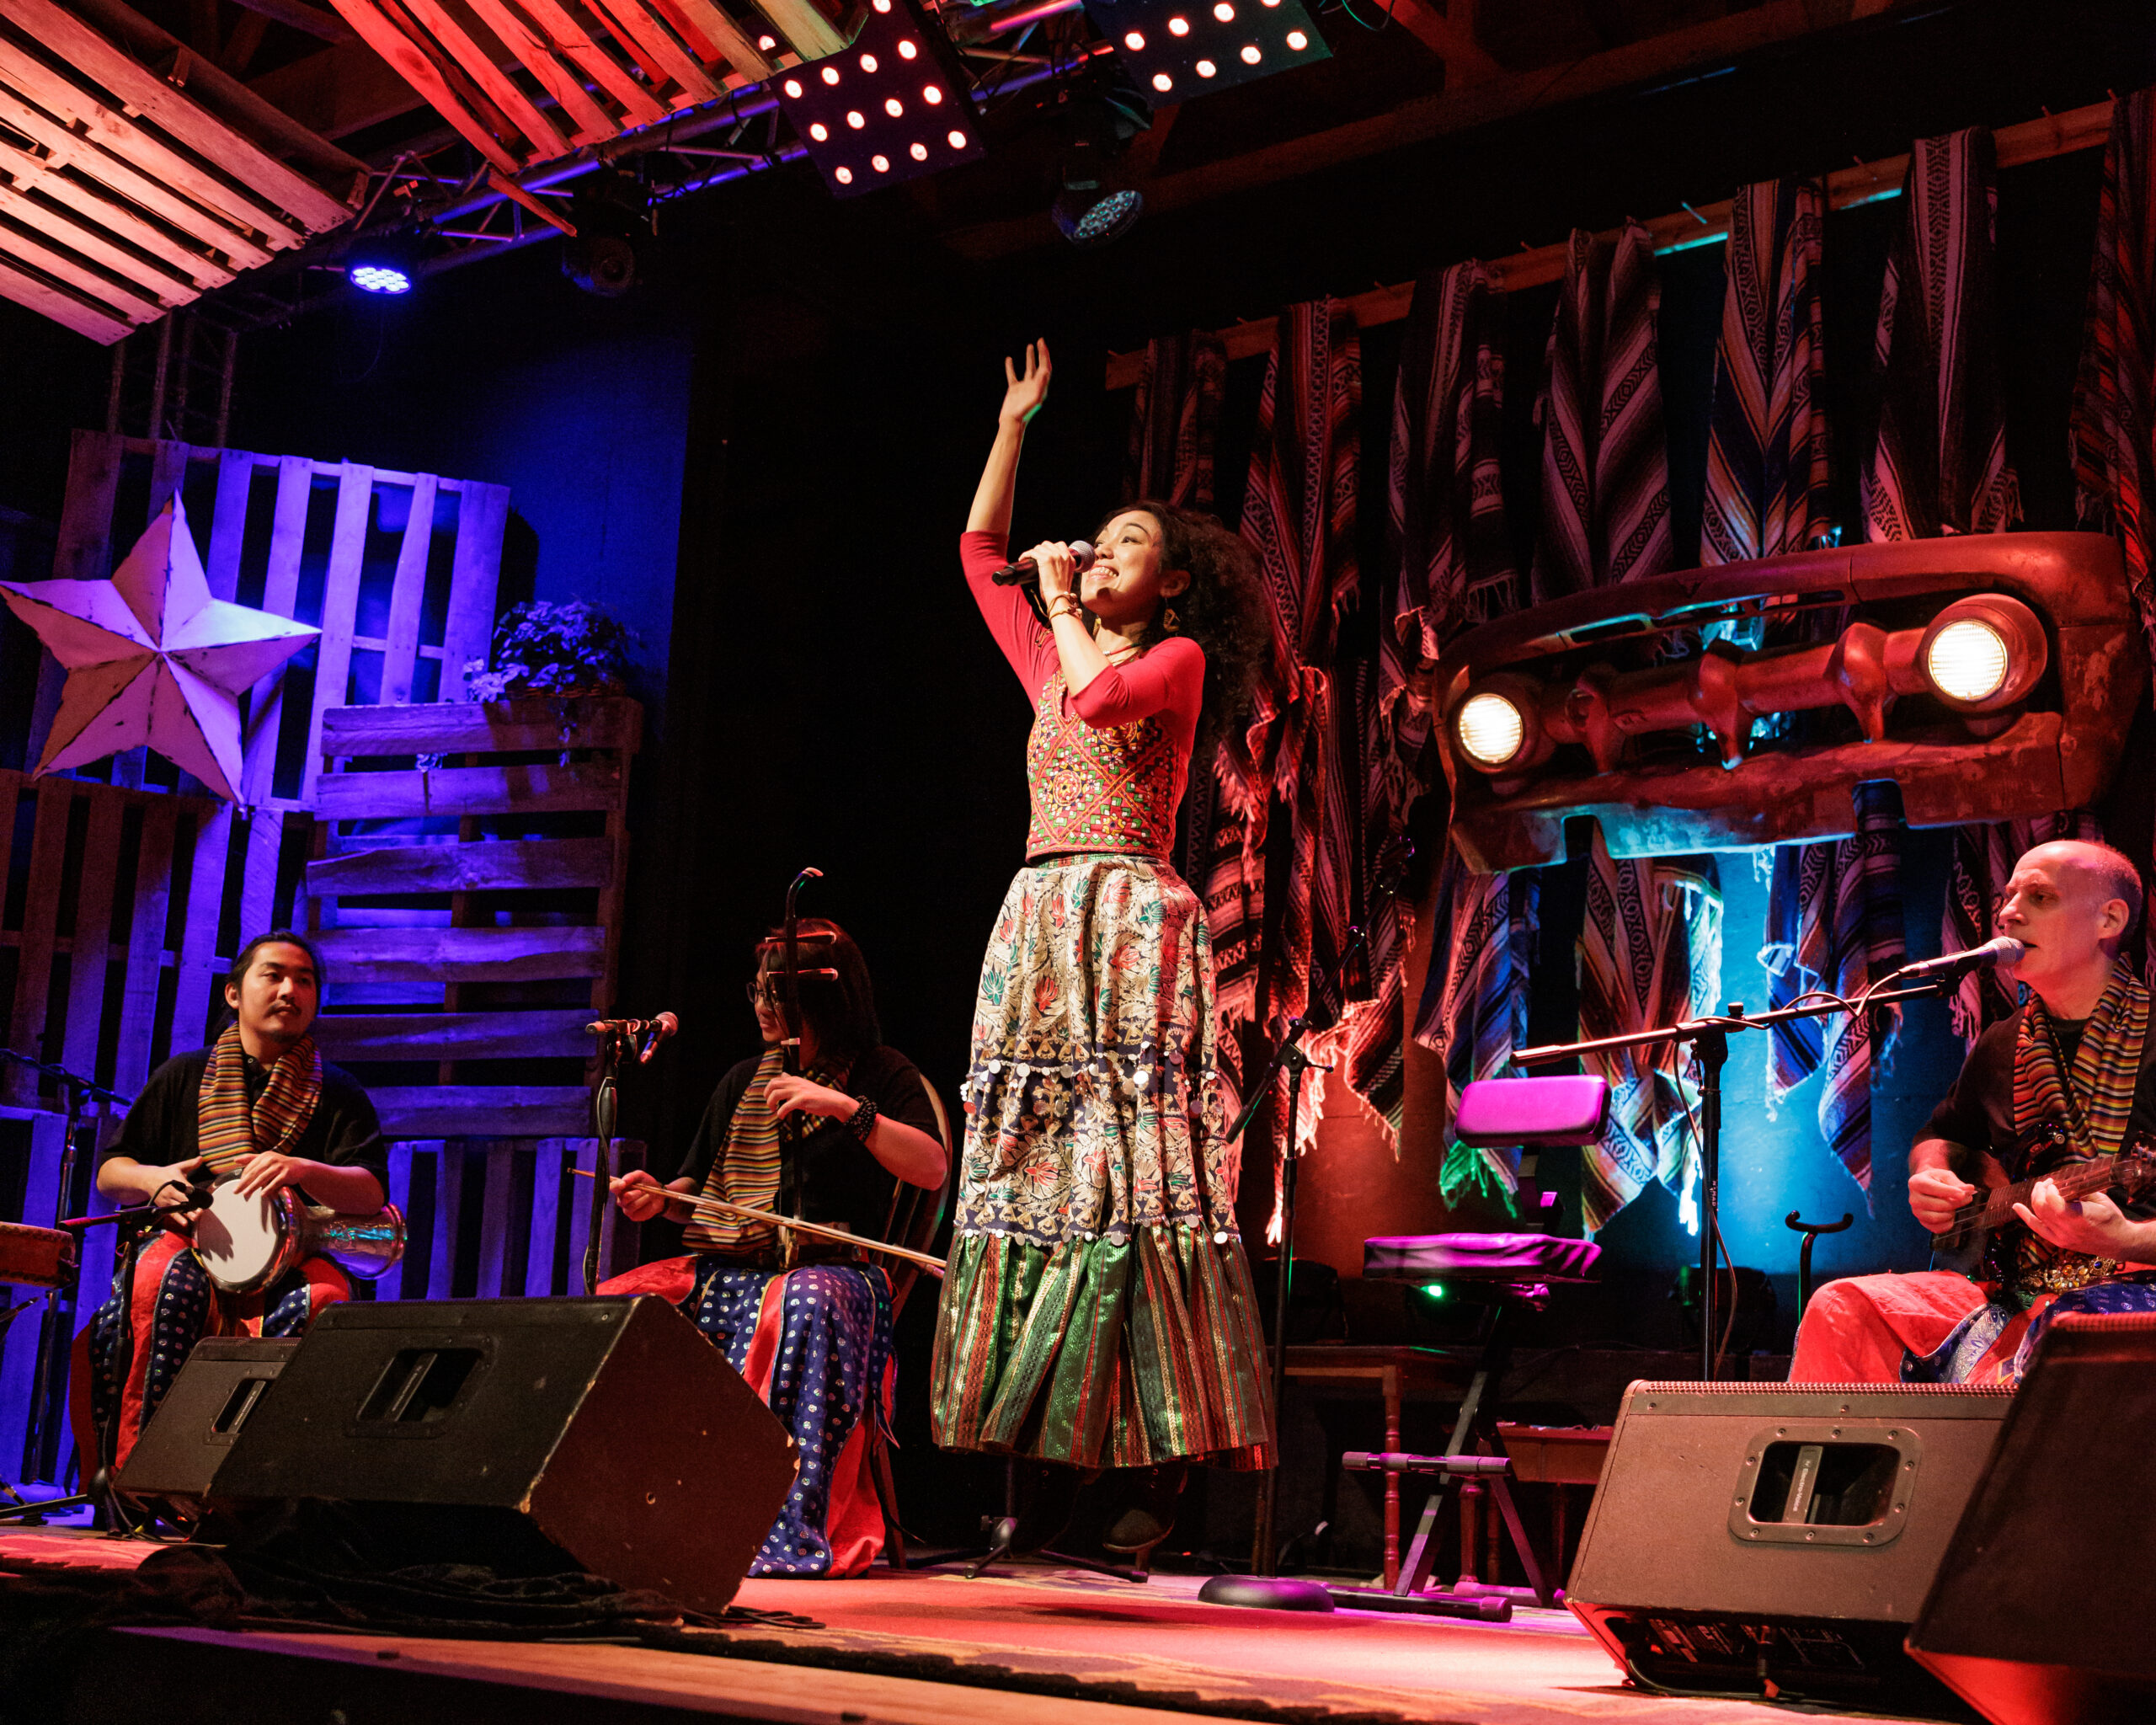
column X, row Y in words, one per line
column 1098, row 1311
column 814, row 1341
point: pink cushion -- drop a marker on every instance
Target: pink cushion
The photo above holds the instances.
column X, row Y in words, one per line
column 1492, row 1258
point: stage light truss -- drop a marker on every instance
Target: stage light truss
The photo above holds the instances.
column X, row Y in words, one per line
column 1175, row 50
column 892, row 106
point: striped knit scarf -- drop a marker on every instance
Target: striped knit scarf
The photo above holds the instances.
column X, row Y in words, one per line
column 1605, row 479
column 1940, row 464
column 229, row 1127
column 1474, row 1000
column 747, row 1168
column 1175, row 420
column 1984, row 861
column 2094, row 1101
column 2113, row 428
column 1299, row 516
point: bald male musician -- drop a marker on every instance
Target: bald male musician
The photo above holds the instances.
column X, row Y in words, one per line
column 2069, row 1078
column 261, row 1102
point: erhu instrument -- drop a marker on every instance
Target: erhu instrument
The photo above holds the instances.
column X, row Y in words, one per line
column 720, row 1206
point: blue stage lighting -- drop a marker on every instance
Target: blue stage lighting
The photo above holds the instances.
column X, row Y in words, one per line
column 384, row 263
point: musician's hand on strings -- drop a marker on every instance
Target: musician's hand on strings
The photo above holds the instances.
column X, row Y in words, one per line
column 2094, row 1224
column 1935, row 1194
column 641, row 1198
column 791, row 1094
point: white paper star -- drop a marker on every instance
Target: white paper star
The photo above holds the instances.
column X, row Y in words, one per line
column 151, row 658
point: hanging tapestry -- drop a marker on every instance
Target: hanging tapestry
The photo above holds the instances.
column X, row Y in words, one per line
column 1652, row 928
column 1940, row 466
column 2114, row 419
column 1984, row 861
column 1177, row 419
column 1299, row 516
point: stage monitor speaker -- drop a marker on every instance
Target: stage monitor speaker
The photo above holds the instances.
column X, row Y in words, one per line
column 187, row 1439
column 1777, row 1538
column 511, row 1431
column 2042, row 1610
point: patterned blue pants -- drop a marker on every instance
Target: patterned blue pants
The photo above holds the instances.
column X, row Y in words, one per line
column 827, row 1374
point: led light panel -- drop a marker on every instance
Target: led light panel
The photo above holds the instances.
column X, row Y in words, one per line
column 1175, row 51
column 892, row 106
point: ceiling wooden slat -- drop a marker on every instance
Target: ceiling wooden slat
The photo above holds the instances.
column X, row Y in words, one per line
column 812, row 34
column 661, row 55
column 640, row 106
column 714, row 37
column 561, row 81
column 28, row 248
column 56, row 30
column 37, row 174
column 62, row 307
column 66, row 148
column 545, row 137
column 82, row 237
column 60, row 96
column 420, row 71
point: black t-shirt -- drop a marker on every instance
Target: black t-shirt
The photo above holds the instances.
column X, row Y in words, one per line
column 841, row 1182
column 164, row 1125
column 1978, row 1112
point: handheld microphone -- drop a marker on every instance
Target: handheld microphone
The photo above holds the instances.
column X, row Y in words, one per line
column 1016, row 574
column 2001, row 949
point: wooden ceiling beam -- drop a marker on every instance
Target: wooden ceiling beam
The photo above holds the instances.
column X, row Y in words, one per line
column 590, row 123
column 660, row 54
column 33, row 173
column 316, row 21
column 121, row 137
column 640, row 105
column 62, row 307
column 429, row 77
column 802, row 24
column 68, row 149
column 1426, row 117
column 1450, row 37
column 339, row 91
column 60, row 225
column 715, row 38
column 547, row 139
column 93, row 284
column 58, row 32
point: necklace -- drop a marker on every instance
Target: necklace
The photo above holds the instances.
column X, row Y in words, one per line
column 1123, row 656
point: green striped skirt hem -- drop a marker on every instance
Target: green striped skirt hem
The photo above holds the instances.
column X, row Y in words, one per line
column 1102, row 1353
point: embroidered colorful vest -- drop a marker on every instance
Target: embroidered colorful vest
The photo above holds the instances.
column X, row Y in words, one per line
column 1113, row 789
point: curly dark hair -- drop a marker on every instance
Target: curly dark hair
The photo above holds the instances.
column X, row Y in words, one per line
column 1223, row 610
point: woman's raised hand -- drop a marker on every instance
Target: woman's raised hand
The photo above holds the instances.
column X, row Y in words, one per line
column 1023, row 396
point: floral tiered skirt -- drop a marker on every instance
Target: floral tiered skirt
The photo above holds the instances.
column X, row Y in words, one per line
column 1098, row 1307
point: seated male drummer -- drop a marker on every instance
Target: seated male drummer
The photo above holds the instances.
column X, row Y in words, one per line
column 260, row 1104
column 2070, row 1076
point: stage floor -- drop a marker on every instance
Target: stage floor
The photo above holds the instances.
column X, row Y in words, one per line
column 940, row 1648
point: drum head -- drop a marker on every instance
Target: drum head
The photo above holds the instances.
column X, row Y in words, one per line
column 243, row 1242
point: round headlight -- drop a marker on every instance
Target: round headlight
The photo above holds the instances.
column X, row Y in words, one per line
column 1966, row 661
column 1491, row 728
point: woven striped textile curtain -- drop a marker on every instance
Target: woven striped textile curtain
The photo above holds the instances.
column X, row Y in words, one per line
column 1650, row 949
column 1175, row 420
column 1983, row 857
column 1447, row 539
column 1298, row 514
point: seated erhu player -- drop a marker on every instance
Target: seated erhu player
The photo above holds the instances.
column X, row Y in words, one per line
column 2065, row 1079
column 813, row 1337
column 261, row 1104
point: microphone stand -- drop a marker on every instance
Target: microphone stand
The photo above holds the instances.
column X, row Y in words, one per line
column 50, row 1374
column 1709, row 1037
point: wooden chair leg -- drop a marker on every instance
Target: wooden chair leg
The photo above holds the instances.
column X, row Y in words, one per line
column 887, row 1496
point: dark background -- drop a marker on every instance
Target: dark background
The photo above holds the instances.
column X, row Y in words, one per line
column 762, row 459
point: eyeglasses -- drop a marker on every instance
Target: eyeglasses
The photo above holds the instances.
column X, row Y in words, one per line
column 766, row 991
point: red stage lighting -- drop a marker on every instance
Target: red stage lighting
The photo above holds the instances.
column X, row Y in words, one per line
column 892, row 106
column 1174, row 49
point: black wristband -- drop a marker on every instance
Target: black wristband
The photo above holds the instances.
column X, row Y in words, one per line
column 864, row 1122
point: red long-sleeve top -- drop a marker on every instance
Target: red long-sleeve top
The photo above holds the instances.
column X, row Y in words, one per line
column 1106, row 766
